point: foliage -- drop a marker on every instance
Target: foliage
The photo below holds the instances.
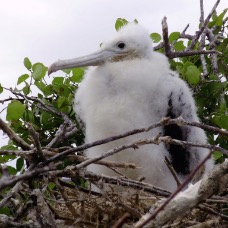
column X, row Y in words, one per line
column 45, row 104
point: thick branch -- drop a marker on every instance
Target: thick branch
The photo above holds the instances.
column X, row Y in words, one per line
column 184, row 201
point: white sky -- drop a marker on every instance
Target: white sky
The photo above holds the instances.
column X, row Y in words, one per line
column 48, row 30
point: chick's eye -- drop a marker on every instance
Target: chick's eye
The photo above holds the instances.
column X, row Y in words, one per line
column 121, row 45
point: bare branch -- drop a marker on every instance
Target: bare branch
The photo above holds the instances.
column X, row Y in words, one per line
column 36, row 140
column 184, row 201
column 120, row 181
column 204, row 25
column 13, row 136
column 165, row 34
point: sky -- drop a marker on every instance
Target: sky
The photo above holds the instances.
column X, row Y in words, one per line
column 48, row 30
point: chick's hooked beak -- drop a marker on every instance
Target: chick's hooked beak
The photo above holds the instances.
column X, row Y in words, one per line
column 94, row 59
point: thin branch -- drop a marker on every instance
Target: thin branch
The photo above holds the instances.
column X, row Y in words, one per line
column 204, row 25
column 13, row 136
column 162, row 122
column 36, row 141
column 184, row 201
column 201, row 12
column 173, row 172
column 212, row 211
column 165, row 35
column 120, row 181
column 30, row 173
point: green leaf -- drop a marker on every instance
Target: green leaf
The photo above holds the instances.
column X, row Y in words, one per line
column 58, row 81
column 19, row 164
column 51, row 185
column 22, row 78
column 26, row 89
column 186, row 65
column 39, row 71
column 217, row 155
column 5, row 211
column 15, row 110
column 11, row 170
column 67, row 71
column 155, row 37
column 221, row 120
column 27, row 63
column 29, row 116
column 45, row 118
column 1, row 89
column 179, row 46
column 9, row 147
column 40, row 85
column 179, row 69
column 8, row 157
column 60, row 101
column 219, row 20
column 48, row 90
column 120, row 22
column 77, row 75
column 193, row 75
column 173, row 36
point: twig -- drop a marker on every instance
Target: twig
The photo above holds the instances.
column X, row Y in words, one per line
column 7, row 222
column 196, row 37
column 173, row 172
column 31, row 172
column 126, row 183
column 65, row 197
column 122, row 220
column 180, row 187
column 13, row 136
column 36, row 141
column 212, row 211
column 165, row 35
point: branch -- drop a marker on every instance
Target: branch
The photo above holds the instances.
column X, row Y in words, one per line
column 120, row 181
column 204, row 25
column 5, row 181
column 184, row 201
column 36, row 141
column 13, row 136
column 164, row 121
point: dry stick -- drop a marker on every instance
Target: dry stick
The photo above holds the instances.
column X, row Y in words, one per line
column 172, row 171
column 171, row 54
column 106, row 163
column 10, row 194
column 214, row 60
column 122, row 220
column 13, row 136
column 202, row 43
column 49, row 108
column 212, row 211
column 184, row 183
column 8, row 222
column 65, row 197
column 36, row 141
column 120, row 181
column 201, row 12
column 208, row 128
column 155, row 140
column 104, row 141
column 162, row 122
column 196, row 37
column 165, row 36
column 31, row 172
